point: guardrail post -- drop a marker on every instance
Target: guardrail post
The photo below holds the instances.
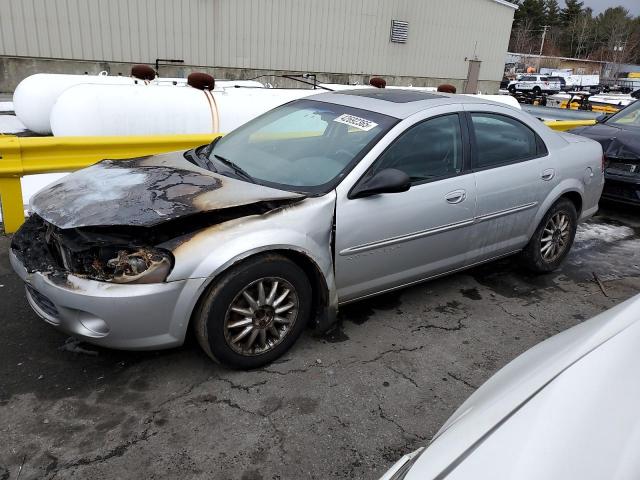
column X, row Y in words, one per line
column 11, row 200
column 11, row 170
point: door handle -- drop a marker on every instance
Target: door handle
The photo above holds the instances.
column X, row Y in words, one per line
column 548, row 174
column 456, row 196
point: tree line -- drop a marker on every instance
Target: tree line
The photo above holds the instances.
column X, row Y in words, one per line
column 574, row 31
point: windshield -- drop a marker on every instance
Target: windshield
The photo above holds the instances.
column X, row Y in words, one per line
column 628, row 117
column 305, row 145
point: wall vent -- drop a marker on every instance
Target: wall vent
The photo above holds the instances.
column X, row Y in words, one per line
column 399, row 31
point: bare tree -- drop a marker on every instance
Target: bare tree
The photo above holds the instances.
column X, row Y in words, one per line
column 521, row 38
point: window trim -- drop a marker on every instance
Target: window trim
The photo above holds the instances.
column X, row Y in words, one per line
column 541, row 148
column 466, row 153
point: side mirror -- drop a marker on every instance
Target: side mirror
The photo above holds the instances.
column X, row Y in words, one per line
column 389, row 180
column 602, row 118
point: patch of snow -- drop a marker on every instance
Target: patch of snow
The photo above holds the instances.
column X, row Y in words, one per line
column 11, row 124
column 589, row 234
column 603, row 232
column 6, row 107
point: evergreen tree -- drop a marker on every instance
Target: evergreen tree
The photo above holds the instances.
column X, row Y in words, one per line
column 571, row 11
column 552, row 12
column 534, row 12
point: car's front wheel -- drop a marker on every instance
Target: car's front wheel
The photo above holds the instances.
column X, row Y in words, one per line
column 254, row 312
column 553, row 238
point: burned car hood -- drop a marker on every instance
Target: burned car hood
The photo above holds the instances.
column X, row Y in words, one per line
column 617, row 142
column 144, row 192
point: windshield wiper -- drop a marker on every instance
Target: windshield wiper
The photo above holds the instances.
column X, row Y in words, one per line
column 196, row 156
column 237, row 169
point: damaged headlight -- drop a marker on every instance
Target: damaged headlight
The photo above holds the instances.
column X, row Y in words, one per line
column 120, row 264
column 143, row 265
column 107, row 255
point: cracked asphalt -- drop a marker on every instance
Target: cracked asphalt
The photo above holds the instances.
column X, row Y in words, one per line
column 345, row 405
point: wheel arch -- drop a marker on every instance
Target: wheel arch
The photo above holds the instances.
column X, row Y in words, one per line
column 570, row 189
column 324, row 302
column 575, row 198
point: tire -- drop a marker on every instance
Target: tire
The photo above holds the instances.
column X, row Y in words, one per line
column 512, row 89
column 537, row 91
column 217, row 325
column 543, row 262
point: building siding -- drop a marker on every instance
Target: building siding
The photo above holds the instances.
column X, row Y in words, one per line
column 340, row 36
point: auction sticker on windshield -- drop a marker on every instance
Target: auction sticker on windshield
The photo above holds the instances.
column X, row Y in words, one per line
column 357, row 122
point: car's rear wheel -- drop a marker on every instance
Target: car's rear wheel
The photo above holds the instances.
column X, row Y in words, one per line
column 537, row 90
column 512, row 89
column 553, row 238
column 255, row 312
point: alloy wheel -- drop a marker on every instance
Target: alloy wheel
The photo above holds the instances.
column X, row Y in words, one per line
column 555, row 237
column 261, row 315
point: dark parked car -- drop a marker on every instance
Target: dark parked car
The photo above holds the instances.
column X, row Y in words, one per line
column 619, row 135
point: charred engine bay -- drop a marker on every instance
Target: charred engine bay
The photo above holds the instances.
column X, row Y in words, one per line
column 99, row 252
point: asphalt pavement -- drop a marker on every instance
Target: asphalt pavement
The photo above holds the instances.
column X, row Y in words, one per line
column 345, row 405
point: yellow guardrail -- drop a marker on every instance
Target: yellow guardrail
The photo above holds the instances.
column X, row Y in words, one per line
column 562, row 125
column 21, row 156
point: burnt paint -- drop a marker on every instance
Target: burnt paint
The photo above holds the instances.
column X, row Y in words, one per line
column 122, row 193
column 145, row 191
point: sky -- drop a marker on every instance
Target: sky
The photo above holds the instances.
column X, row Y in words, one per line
column 600, row 5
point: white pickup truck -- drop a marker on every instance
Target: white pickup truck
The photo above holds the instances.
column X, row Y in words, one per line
column 536, row 83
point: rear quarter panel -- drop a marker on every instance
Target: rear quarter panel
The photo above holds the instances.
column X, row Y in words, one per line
column 577, row 162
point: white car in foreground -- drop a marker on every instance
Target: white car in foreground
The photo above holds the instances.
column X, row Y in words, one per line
column 565, row 409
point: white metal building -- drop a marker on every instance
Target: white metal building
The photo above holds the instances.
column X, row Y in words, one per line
column 325, row 36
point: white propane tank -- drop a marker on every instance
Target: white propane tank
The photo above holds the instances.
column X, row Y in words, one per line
column 104, row 110
column 505, row 99
column 35, row 96
column 220, row 84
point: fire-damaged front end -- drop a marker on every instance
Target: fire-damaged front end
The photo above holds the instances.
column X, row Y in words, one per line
column 109, row 254
column 120, row 253
column 621, row 147
column 622, row 180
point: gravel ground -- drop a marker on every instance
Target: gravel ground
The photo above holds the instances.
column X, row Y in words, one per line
column 345, row 405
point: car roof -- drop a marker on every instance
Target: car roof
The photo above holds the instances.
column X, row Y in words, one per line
column 398, row 103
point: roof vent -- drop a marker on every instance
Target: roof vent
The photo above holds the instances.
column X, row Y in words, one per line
column 399, row 31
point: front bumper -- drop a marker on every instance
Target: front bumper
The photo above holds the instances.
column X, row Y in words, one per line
column 130, row 317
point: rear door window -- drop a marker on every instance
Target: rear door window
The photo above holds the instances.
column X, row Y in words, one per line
column 500, row 140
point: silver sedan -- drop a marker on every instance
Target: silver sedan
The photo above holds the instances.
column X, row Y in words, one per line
column 317, row 203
